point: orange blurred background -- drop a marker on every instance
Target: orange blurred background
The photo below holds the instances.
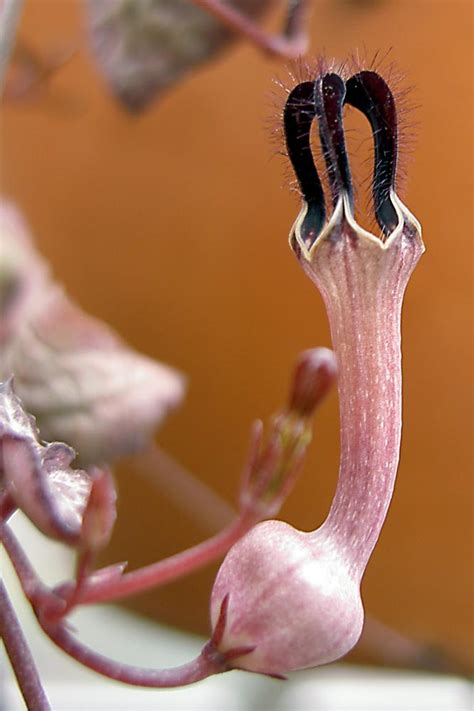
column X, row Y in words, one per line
column 172, row 226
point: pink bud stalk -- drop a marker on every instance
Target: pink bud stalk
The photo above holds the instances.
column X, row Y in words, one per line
column 294, row 596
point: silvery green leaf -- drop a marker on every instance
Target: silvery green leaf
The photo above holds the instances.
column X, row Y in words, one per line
column 146, row 46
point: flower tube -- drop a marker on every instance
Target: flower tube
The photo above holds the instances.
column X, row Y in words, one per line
column 294, row 597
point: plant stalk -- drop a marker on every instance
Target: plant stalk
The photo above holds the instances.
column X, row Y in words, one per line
column 20, row 656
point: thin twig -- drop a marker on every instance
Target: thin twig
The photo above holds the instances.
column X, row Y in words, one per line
column 206, row 664
column 33, row 588
column 200, row 668
column 162, row 572
column 210, row 661
column 10, row 11
column 20, row 656
column 291, row 44
column 102, row 588
column 296, row 20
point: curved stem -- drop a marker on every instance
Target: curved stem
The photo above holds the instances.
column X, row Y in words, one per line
column 21, row 564
column 165, row 570
column 102, row 589
column 20, row 657
column 206, row 664
column 49, row 608
column 291, row 44
column 34, row 589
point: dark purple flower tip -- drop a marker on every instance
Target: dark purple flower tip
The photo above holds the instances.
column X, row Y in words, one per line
column 298, row 117
column 323, row 100
column 329, row 96
column 369, row 93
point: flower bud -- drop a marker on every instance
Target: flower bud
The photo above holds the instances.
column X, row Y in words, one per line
column 100, row 512
column 272, row 469
column 314, row 374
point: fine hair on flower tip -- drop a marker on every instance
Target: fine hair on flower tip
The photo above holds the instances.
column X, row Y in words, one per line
column 322, row 102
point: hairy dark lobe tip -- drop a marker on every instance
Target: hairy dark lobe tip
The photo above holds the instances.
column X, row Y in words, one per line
column 329, row 97
column 370, row 94
column 298, row 117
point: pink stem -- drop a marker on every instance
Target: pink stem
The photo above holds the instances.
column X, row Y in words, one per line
column 166, row 570
column 291, row 45
column 83, row 568
column 20, row 657
column 23, row 568
column 34, row 589
column 206, row 664
column 46, row 606
column 128, row 584
column 296, row 18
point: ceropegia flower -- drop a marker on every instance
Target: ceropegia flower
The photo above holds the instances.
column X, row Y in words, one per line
column 79, row 379
column 293, row 596
column 71, row 505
